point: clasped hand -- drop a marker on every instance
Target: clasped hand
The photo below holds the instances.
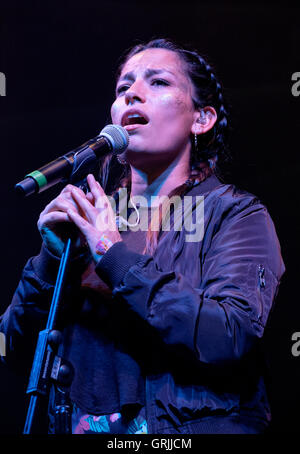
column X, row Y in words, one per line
column 92, row 213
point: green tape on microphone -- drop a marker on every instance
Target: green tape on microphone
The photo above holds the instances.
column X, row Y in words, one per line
column 39, row 177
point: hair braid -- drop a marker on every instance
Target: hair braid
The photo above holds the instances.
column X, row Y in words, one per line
column 209, row 92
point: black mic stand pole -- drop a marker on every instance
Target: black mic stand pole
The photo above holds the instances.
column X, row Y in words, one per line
column 47, row 366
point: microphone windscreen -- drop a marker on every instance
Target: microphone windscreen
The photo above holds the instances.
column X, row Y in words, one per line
column 117, row 136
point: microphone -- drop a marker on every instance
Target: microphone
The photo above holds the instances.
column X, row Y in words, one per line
column 75, row 165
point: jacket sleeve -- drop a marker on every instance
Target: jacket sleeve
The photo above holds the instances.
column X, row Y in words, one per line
column 28, row 312
column 220, row 321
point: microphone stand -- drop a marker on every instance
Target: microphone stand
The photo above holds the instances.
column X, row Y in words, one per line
column 47, row 366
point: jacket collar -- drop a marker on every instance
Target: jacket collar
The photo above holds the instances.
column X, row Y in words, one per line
column 207, row 185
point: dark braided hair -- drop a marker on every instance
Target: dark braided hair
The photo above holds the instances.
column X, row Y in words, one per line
column 211, row 146
column 208, row 93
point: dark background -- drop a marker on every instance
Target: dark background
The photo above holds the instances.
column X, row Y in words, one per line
column 59, row 60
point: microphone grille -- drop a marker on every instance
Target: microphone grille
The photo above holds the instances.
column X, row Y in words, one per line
column 117, row 136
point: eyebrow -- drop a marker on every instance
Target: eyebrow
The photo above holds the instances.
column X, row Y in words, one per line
column 149, row 73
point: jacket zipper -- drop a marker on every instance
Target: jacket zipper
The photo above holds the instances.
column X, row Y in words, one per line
column 261, row 285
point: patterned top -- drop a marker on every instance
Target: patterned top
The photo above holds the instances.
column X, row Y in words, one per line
column 83, row 423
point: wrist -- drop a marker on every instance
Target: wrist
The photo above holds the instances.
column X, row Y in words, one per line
column 102, row 246
column 116, row 262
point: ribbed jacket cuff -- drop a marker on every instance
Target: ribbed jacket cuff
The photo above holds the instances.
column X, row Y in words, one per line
column 116, row 262
column 46, row 265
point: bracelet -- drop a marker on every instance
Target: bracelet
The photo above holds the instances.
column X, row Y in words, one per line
column 103, row 245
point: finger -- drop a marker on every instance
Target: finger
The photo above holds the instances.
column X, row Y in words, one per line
column 90, row 198
column 81, row 223
column 105, row 213
column 67, row 194
column 88, row 209
column 53, row 218
column 94, row 183
column 67, row 188
column 78, row 190
column 101, row 201
column 95, row 187
column 60, row 204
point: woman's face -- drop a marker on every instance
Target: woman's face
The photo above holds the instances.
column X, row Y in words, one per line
column 154, row 104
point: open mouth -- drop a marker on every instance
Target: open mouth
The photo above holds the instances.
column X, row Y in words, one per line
column 134, row 118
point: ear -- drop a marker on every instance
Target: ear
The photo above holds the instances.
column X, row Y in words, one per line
column 204, row 120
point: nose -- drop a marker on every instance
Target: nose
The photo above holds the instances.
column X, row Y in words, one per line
column 135, row 93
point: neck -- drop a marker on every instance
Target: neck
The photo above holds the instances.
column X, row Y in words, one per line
column 159, row 182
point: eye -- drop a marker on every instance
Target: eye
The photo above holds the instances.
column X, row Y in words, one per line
column 159, row 82
column 122, row 89
column 156, row 82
